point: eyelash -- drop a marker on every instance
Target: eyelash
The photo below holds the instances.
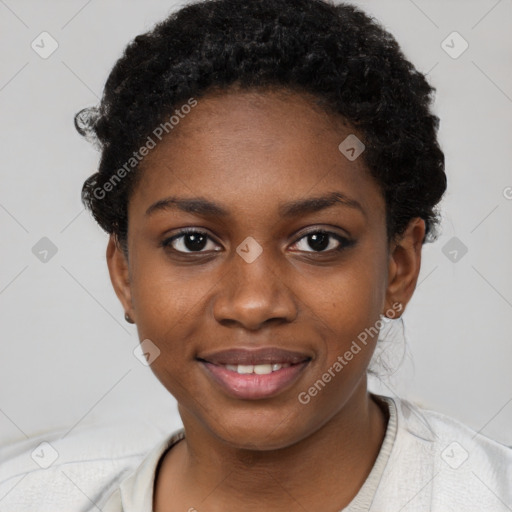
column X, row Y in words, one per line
column 344, row 243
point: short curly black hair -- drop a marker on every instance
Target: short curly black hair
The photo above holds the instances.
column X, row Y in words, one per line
column 334, row 52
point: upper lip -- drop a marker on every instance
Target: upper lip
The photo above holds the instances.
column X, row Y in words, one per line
column 244, row 356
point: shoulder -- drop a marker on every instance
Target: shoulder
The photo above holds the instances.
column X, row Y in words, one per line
column 457, row 441
column 135, row 493
column 442, row 464
column 75, row 470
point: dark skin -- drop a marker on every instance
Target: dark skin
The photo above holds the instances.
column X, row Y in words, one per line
column 250, row 153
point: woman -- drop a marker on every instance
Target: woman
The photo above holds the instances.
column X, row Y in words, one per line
column 269, row 174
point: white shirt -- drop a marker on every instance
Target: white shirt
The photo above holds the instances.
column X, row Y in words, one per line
column 427, row 462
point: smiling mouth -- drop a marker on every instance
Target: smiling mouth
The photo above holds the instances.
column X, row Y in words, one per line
column 254, row 374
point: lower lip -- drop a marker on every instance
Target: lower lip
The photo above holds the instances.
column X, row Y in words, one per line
column 252, row 386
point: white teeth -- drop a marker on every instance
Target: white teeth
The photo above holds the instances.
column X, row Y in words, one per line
column 258, row 369
column 262, row 369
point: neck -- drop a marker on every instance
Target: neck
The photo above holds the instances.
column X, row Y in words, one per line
column 328, row 467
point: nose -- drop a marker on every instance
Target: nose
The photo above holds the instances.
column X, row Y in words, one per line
column 253, row 294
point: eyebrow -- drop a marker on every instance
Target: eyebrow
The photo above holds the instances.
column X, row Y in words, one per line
column 204, row 207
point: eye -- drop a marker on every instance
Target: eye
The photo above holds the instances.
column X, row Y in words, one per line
column 189, row 241
column 323, row 241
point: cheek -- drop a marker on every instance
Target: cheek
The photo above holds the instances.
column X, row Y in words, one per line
column 349, row 300
column 172, row 309
column 346, row 316
column 166, row 309
column 161, row 300
column 346, row 308
column 164, row 294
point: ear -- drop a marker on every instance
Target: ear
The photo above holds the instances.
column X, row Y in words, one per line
column 119, row 274
column 404, row 265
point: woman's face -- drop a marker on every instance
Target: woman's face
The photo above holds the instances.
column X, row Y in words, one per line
column 256, row 176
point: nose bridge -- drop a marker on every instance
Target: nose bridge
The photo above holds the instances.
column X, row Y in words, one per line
column 253, row 291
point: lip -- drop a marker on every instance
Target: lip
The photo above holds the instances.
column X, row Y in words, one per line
column 265, row 355
column 253, row 386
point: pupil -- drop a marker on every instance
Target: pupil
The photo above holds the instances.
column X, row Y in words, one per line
column 318, row 241
column 195, row 241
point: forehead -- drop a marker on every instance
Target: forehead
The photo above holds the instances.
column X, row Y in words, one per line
column 257, row 149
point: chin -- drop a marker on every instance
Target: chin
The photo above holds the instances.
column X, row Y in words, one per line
column 260, row 431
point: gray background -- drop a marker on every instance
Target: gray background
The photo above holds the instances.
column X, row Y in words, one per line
column 66, row 352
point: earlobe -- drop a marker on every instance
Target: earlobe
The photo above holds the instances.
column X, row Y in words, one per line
column 119, row 274
column 404, row 264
